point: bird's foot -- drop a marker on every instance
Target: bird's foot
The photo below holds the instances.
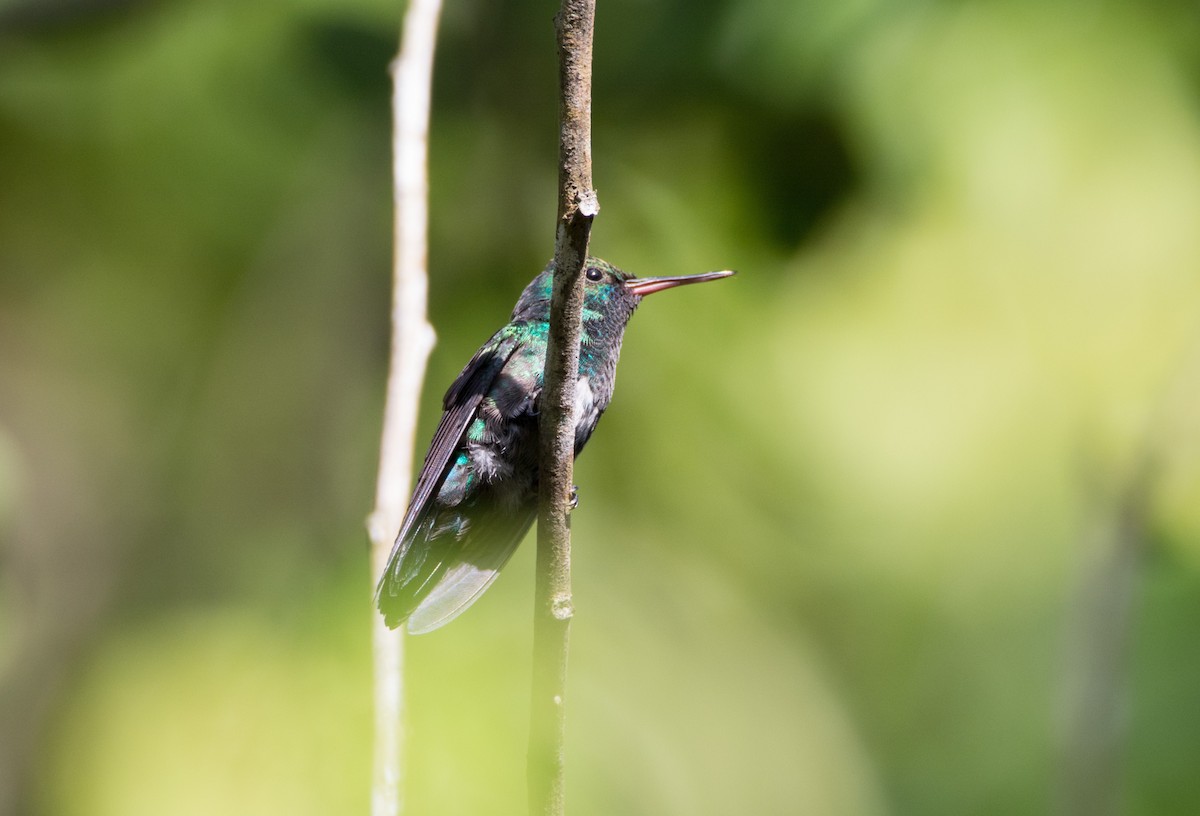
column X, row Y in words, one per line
column 574, row 500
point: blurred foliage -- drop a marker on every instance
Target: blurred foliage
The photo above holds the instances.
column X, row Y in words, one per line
column 833, row 531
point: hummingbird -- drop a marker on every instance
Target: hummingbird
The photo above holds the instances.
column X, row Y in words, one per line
column 476, row 494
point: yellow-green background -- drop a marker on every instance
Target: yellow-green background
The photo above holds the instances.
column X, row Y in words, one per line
column 833, row 549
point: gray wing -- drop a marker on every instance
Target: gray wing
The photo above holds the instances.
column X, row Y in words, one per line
column 411, row 575
column 485, row 550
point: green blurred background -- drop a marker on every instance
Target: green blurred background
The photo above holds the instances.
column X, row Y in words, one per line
column 905, row 519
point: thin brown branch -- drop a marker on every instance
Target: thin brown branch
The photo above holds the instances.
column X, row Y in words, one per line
column 1099, row 643
column 412, row 340
column 1103, row 616
column 577, row 206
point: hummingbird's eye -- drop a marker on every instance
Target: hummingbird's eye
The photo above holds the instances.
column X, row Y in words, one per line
column 594, row 274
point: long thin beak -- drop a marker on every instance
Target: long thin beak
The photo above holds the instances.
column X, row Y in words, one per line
column 648, row 286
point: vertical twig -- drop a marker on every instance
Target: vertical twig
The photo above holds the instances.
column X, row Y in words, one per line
column 1102, row 622
column 1099, row 641
column 412, row 340
column 577, row 206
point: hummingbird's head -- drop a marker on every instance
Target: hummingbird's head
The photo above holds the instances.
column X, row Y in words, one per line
column 609, row 295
